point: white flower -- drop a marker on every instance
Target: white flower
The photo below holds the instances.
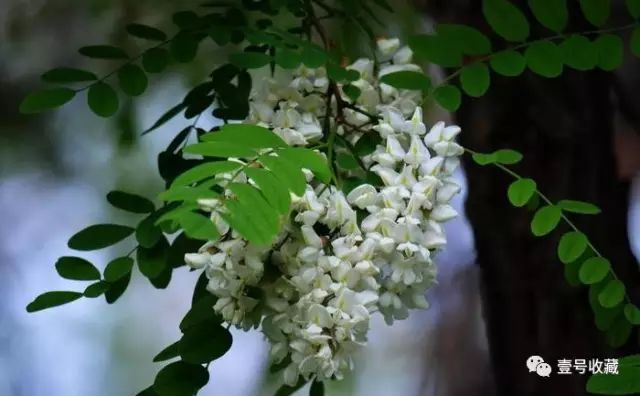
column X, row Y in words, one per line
column 362, row 196
column 388, row 47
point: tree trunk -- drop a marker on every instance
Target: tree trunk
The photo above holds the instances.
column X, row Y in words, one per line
column 564, row 128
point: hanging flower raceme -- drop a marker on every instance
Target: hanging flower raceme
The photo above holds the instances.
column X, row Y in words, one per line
column 341, row 257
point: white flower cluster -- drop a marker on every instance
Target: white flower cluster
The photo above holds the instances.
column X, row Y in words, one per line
column 342, row 257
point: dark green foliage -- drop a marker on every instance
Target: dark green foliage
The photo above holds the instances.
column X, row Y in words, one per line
column 52, row 299
column 130, row 202
column 76, row 268
column 118, row 269
column 180, row 379
column 103, row 99
column 99, row 236
column 64, row 75
column 46, row 100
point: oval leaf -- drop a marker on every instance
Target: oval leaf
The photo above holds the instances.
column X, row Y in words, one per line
column 508, row 63
column 448, row 96
column 180, row 379
column 521, row 191
column 552, row 14
column 47, row 99
column 204, row 343
column 544, row 58
column 76, row 268
column 155, row 60
column 593, row 270
column 102, row 99
column 545, row 220
column 579, row 53
column 612, row 294
column 506, row 19
column 146, row 32
column 250, row 60
column 596, row 11
column 578, row 207
column 475, row 79
column 610, row 49
column 103, row 52
column 133, row 80
column 130, row 202
column 52, row 299
column 68, row 75
column 571, row 246
column 407, row 80
column 99, row 236
column 118, row 269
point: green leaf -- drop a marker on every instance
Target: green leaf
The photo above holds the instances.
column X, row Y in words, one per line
column 448, row 96
column 506, row 19
column 367, row 144
column 167, row 116
column 407, row 80
column 204, row 171
column 579, row 53
column 288, row 173
column 146, row 32
column 152, row 261
column 552, row 14
column 572, row 245
column 168, row 353
column 594, row 270
column 465, row 39
column 274, row 192
column 626, row 382
column 313, row 57
column 287, row 59
column 521, row 191
column 118, row 268
column 76, row 268
column 596, row 11
column 317, row 388
column 201, row 311
column 147, row 232
column 52, row 299
column 610, row 50
column 68, row 75
column 239, row 218
column 544, row 58
column 184, row 47
column 483, row 159
column 612, row 294
column 117, row 289
column 508, row 63
column 188, row 194
column 352, row 92
column 196, row 226
column 99, row 236
column 47, row 99
column 286, row 390
column 633, row 6
column 578, row 207
column 155, row 60
column 247, row 135
column 204, row 343
column 102, row 99
column 619, row 332
column 130, row 202
column 103, row 52
column 250, row 59
column 96, row 289
column 435, row 49
column 507, row 157
column 635, row 42
column 475, row 79
column 219, row 149
column 264, row 216
column 133, row 80
column 347, row 161
column 545, row 220
column 308, row 159
column 180, row 379
column 632, row 313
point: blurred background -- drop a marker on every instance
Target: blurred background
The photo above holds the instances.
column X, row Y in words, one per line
column 55, row 170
